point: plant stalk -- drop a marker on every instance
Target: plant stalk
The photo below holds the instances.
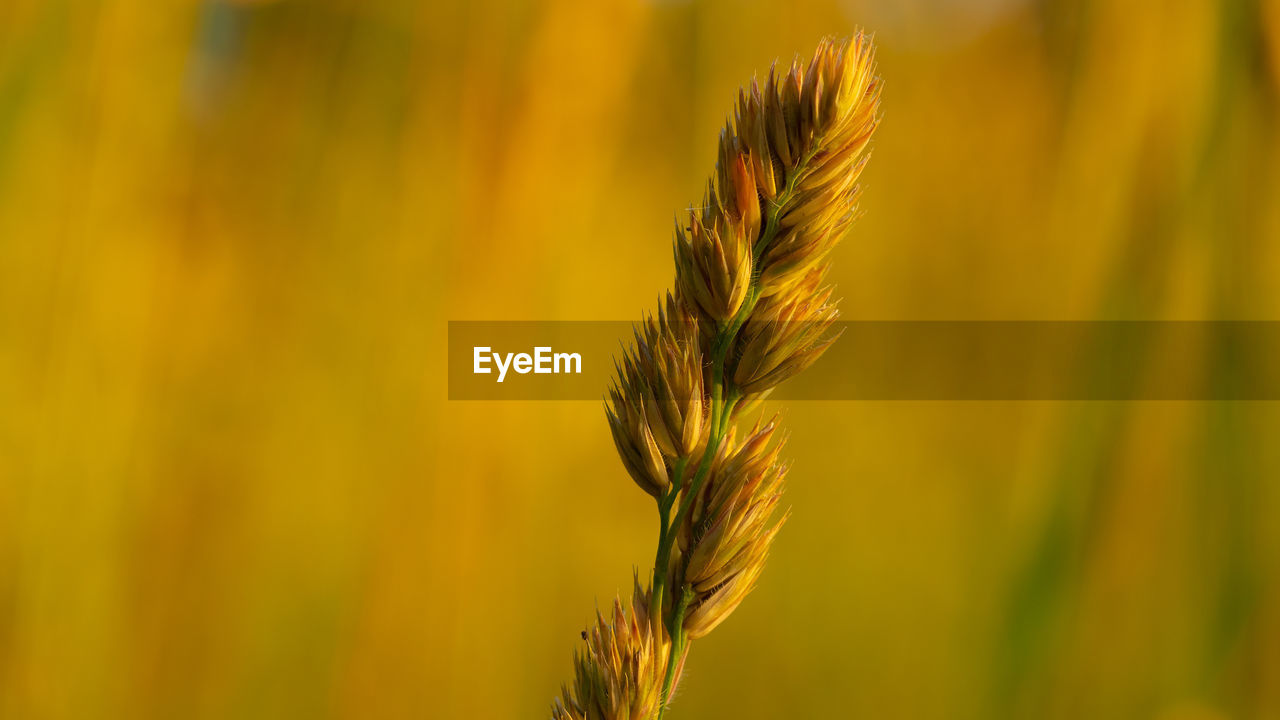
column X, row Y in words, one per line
column 677, row 647
column 723, row 399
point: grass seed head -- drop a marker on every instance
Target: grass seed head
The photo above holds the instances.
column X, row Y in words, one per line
column 726, row 536
column 749, row 311
column 619, row 672
column 785, row 334
column 656, row 410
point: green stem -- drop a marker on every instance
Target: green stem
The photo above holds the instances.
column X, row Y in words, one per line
column 713, row 442
column 718, row 425
column 723, row 399
column 663, row 558
column 729, row 404
column 780, row 201
column 677, row 648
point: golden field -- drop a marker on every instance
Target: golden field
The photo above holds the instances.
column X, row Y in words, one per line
column 232, row 234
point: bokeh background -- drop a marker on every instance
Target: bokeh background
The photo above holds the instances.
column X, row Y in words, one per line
column 231, row 235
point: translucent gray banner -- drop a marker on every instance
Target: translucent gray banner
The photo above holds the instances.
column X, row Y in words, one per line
column 927, row 360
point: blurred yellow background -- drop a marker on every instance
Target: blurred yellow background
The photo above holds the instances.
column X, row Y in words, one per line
column 231, row 236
